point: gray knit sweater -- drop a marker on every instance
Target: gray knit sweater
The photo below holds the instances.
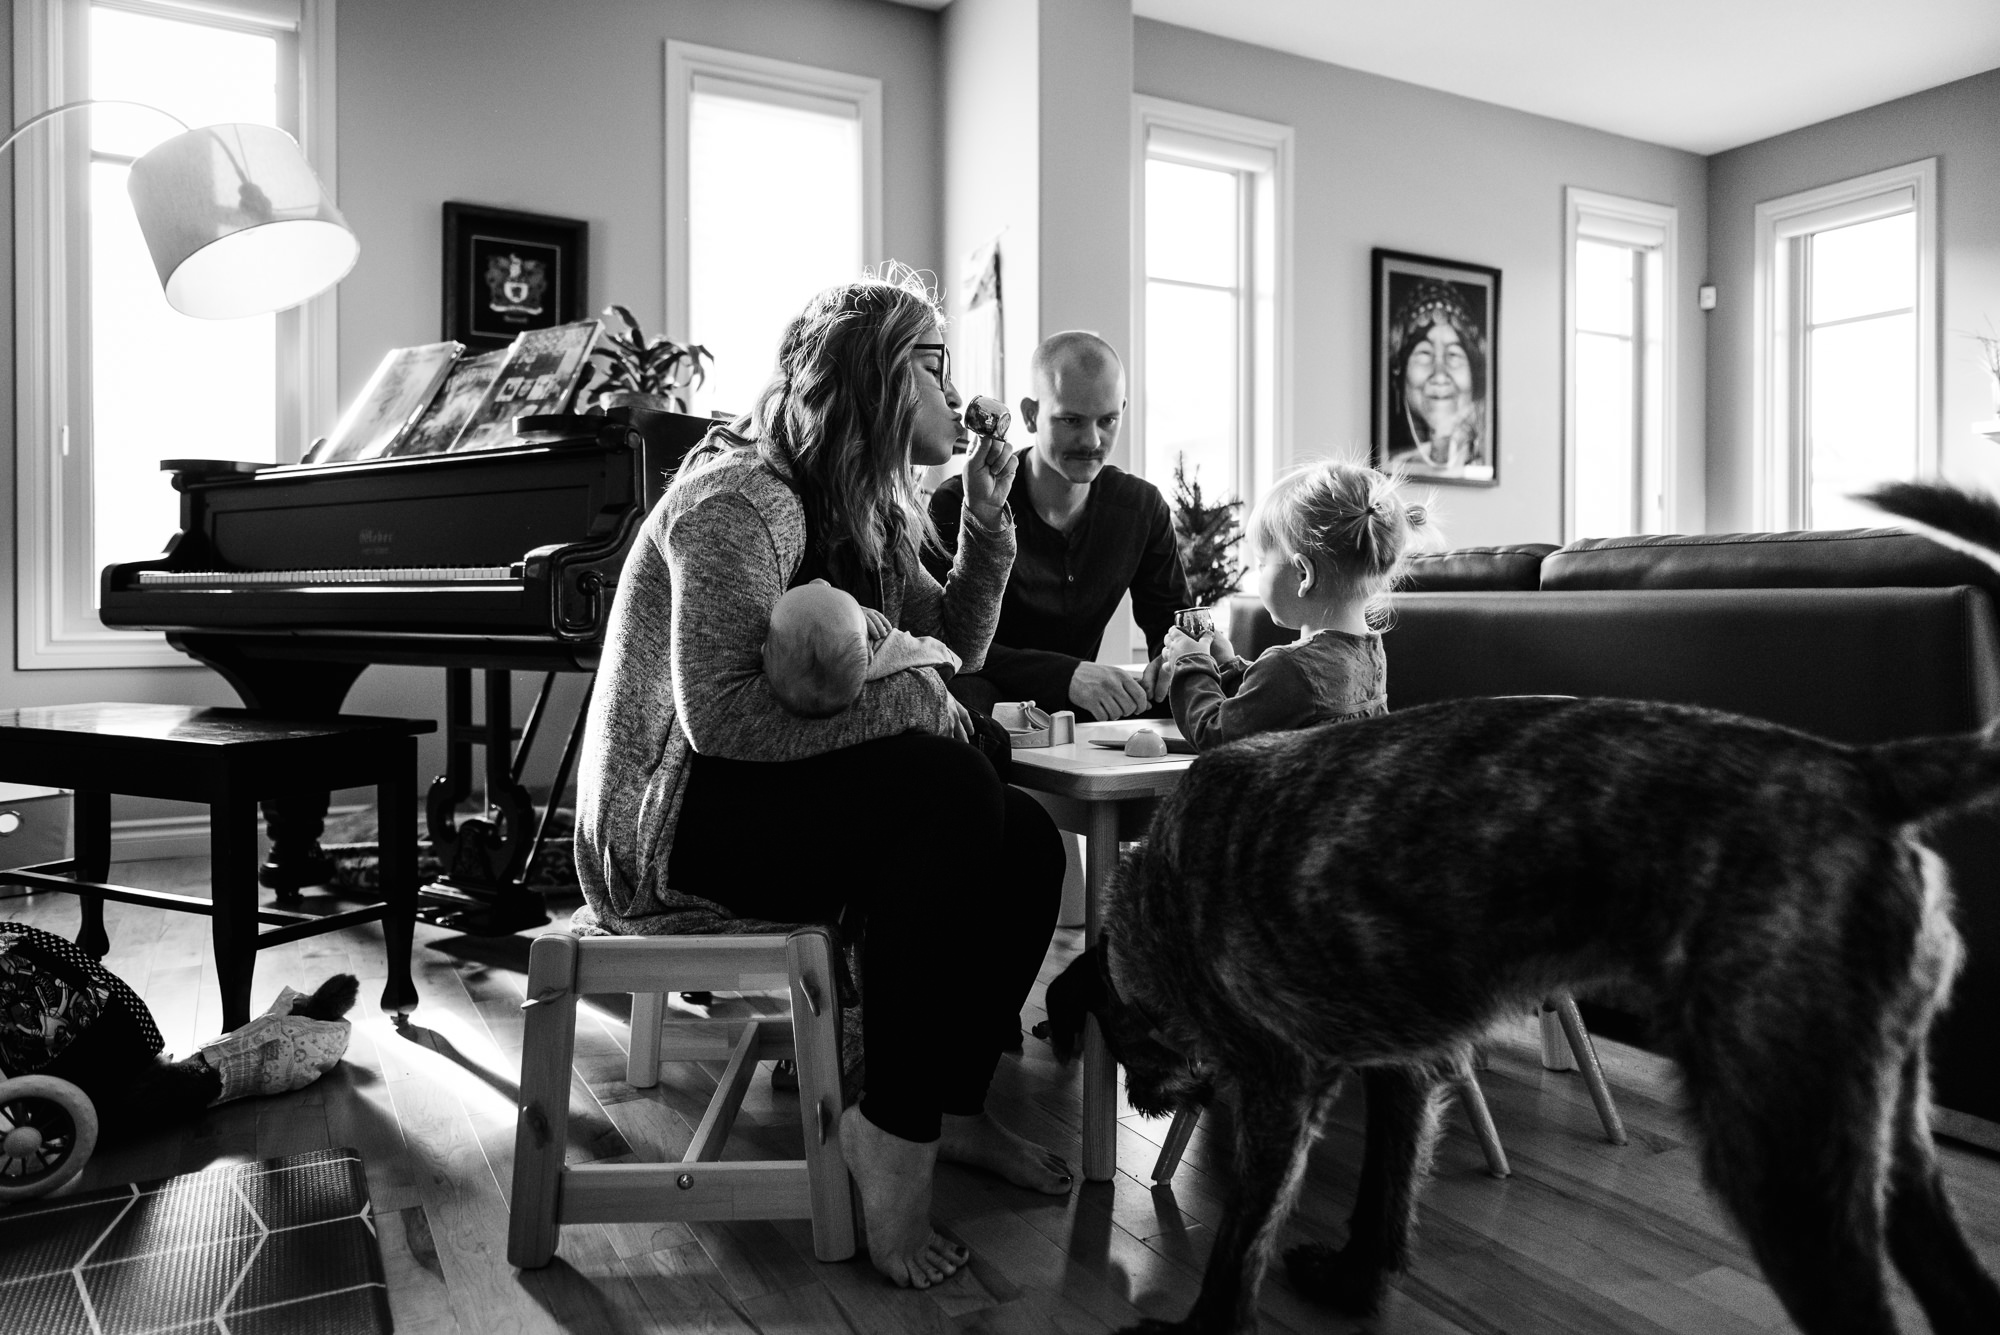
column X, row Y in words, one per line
column 683, row 671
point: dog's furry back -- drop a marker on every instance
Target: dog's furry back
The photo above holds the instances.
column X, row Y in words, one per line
column 1439, row 861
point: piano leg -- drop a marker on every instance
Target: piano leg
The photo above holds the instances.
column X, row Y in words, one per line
column 301, row 690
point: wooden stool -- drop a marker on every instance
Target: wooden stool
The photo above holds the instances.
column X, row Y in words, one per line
column 1465, row 1083
column 230, row 759
column 549, row 1193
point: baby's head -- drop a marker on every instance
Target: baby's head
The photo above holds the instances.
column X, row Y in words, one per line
column 816, row 655
column 1347, row 521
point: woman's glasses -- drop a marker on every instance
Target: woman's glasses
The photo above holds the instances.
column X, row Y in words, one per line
column 943, row 368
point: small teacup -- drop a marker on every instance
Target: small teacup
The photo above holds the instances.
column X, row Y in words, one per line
column 1196, row 622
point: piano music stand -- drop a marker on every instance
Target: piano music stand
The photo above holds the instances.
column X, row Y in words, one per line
column 227, row 758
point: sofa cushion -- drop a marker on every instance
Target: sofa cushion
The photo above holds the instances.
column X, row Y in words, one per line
column 1856, row 558
column 1471, row 569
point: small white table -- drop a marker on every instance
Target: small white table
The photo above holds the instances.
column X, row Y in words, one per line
column 1105, row 796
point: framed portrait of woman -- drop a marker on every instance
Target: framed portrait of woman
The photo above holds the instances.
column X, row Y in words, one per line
column 1435, row 391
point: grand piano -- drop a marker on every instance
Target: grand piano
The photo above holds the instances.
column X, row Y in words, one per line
column 289, row 580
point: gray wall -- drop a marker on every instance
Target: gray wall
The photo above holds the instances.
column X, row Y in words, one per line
column 1385, row 163
column 1955, row 124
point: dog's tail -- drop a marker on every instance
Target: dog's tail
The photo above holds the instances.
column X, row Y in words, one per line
column 1965, row 521
column 1924, row 777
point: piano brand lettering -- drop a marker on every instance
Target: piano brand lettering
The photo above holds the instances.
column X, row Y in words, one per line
column 375, row 541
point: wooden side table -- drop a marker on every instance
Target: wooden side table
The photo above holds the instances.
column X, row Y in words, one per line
column 230, row 759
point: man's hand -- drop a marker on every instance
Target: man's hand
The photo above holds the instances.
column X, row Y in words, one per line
column 1107, row 692
column 1156, row 678
column 989, row 476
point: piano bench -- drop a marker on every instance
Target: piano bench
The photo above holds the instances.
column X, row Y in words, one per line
column 230, row 759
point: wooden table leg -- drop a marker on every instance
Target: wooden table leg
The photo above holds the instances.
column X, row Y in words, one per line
column 92, row 862
column 233, row 890
column 396, row 858
column 1100, row 1072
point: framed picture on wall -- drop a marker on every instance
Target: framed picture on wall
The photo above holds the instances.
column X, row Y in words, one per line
column 507, row 273
column 1435, row 388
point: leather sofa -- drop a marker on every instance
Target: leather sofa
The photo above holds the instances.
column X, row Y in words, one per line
column 1860, row 636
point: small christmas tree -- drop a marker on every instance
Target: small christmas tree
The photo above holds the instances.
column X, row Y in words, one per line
column 1206, row 535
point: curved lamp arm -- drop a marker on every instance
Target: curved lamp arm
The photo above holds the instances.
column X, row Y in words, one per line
column 53, row 112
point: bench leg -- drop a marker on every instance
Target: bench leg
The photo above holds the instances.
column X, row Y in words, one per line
column 1186, row 1117
column 541, row 1129
column 816, row 1038
column 1593, row 1070
column 396, row 856
column 92, row 811
column 1473, row 1099
column 233, row 889
column 642, row 1061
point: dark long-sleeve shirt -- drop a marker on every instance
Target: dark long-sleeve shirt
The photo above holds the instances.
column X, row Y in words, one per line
column 1065, row 586
column 1333, row 675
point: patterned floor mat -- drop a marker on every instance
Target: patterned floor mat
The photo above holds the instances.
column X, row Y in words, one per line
column 285, row 1245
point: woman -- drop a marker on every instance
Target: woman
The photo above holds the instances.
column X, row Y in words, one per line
column 699, row 791
column 1437, row 386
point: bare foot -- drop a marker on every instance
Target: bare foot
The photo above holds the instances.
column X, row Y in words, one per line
column 980, row 1142
column 893, row 1176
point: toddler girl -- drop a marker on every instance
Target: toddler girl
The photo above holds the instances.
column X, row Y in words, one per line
column 1329, row 540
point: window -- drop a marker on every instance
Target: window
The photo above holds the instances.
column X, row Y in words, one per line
column 94, row 419
column 1621, row 268
column 737, row 267
column 1847, row 349
column 1210, row 261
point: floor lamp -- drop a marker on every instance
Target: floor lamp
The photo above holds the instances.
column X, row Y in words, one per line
column 235, row 220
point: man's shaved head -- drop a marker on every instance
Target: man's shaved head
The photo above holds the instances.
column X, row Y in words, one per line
column 1073, row 354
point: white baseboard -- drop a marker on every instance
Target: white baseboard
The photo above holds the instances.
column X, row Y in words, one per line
column 140, row 839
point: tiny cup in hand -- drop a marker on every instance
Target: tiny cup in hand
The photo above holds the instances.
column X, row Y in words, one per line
column 1196, row 623
column 987, row 417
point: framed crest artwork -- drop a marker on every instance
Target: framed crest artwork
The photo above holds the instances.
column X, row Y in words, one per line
column 508, row 273
column 1435, row 388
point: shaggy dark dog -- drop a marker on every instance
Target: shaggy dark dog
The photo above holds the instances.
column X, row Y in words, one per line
column 1374, row 895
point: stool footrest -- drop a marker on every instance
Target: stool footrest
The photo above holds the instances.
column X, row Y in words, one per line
column 634, row 1193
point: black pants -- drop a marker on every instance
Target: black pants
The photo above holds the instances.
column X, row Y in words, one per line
column 957, row 879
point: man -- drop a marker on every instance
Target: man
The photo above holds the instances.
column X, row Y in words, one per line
column 1086, row 533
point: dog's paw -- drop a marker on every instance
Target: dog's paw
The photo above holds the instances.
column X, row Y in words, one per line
column 1346, row 1283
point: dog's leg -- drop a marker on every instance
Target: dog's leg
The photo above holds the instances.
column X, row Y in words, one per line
column 1925, row 1241
column 1402, row 1127
column 1795, row 1142
column 1275, row 1129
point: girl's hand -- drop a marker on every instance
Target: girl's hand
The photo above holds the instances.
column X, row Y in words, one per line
column 879, row 626
column 1219, row 645
column 989, row 476
column 1178, row 646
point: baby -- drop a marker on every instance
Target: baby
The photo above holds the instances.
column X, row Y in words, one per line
column 824, row 646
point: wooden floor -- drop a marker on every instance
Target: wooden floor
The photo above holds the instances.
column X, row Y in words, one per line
column 1585, row 1237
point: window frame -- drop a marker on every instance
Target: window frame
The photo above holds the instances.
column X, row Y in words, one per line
column 1264, row 151
column 56, row 621
column 687, row 61
column 1592, row 215
column 1778, row 429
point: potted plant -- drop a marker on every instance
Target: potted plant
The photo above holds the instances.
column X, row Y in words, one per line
column 1207, row 536
column 633, row 369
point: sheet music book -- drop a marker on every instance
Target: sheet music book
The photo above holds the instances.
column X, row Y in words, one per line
column 542, row 371
column 402, row 387
column 464, row 390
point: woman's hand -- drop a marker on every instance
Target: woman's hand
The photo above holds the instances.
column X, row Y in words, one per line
column 989, row 476
column 960, row 720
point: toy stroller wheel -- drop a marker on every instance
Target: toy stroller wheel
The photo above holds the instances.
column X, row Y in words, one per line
column 47, row 1130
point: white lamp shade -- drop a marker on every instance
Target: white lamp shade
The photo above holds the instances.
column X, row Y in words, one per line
column 237, row 223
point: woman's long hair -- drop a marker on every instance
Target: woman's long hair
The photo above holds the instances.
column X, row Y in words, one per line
column 836, row 420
